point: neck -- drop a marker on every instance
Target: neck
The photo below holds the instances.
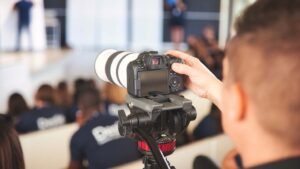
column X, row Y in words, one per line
column 88, row 115
column 40, row 104
column 262, row 149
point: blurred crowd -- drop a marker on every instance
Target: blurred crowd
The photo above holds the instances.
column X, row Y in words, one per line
column 57, row 105
column 91, row 105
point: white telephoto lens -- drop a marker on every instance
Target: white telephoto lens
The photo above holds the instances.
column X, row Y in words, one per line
column 111, row 66
column 122, row 70
column 114, row 68
column 101, row 62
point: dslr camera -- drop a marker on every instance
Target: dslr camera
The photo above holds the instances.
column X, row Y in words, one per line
column 157, row 113
column 151, row 74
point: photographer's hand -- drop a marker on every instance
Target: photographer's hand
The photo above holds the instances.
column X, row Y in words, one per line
column 199, row 79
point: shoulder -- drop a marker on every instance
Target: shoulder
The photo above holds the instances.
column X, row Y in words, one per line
column 80, row 138
column 103, row 119
column 29, row 115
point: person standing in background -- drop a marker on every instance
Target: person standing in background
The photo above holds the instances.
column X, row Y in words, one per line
column 23, row 7
column 177, row 9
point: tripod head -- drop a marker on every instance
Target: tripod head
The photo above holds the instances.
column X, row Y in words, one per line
column 160, row 117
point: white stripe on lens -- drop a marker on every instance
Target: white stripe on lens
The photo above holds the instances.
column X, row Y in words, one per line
column 101, row 62
column 122, row 73
column 113, row 68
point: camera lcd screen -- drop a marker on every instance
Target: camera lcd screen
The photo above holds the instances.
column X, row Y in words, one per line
column 154, row 81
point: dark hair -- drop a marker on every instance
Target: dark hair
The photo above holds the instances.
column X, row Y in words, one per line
column 17, row 105
column 264, row 59
column 45, row 93
column 267, row 14
column 62, row 86
column 11, row 155
column 90, row 98
column 79, row 84
column 91, row 83
column 62, row 96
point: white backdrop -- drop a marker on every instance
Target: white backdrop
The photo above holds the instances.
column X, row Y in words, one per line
column 8, row 26
column 103, row 24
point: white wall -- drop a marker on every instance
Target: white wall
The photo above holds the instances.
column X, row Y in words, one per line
column 103, row 24
column 8, row 26
column 227, row 18
column 14, row 78
column 147, row 25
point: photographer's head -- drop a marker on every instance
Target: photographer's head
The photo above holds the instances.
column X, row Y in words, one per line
column 261, row 97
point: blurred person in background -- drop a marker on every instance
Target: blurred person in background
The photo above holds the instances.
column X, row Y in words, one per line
column 209, row 126
column 63, row 97
column 80, row 85
column 177, row 10
column 11, row 154
column 98, row 142
column 23, row 7
column 44, row 115
column 16, row 107
column 206, row 49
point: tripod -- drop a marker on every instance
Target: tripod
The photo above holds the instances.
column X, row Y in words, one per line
column 154, row 151
column 154, row 122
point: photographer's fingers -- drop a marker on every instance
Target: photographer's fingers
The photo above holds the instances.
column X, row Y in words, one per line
column 196, row 89
column 183, row 69
column 190, row 60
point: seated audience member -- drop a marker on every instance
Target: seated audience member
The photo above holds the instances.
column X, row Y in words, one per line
column 11, row 155
column 63, row 98
column 44, row 115
column 79, row 86
column 98, row 141
column 209, row 126
column 114, row 97
column 16, row 106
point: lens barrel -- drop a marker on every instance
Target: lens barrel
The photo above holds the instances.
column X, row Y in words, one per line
column 111, row 66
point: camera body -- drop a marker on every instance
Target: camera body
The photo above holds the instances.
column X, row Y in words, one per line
column 151, row 74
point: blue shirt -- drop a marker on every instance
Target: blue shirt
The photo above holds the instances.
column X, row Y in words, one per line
column 23, row 8
column 40, row 119
column 99, row 142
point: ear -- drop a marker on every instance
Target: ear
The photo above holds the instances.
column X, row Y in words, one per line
column 238, row 103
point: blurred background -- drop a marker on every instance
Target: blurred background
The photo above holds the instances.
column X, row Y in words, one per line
column 57, row 41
